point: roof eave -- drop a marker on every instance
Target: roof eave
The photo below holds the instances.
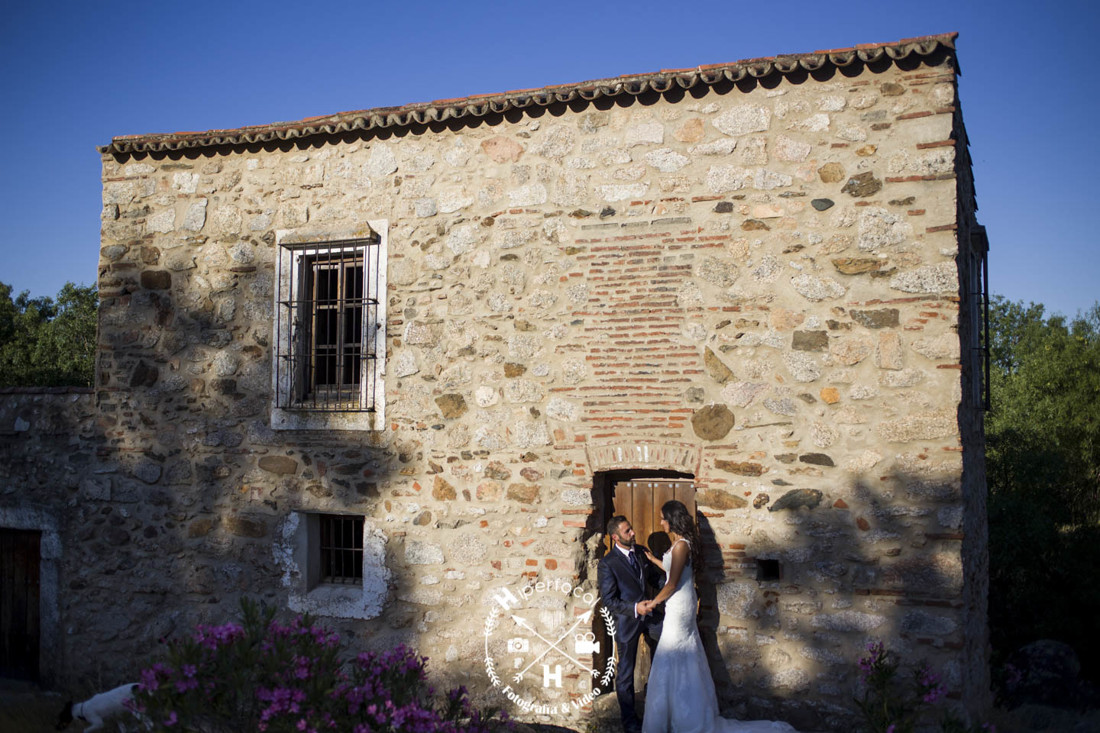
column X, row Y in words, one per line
column 478, row 106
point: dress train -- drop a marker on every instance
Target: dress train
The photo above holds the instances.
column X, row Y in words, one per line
column 680, row 697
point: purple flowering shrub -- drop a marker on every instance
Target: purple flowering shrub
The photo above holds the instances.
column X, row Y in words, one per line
column 888, row 706
column 263, row 676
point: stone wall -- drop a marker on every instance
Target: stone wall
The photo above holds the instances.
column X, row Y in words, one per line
column 48, row 462
column 756, row 285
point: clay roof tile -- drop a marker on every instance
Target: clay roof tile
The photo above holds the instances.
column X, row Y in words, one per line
column 480, row 105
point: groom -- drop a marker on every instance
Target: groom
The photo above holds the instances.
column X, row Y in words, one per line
column 624, row 574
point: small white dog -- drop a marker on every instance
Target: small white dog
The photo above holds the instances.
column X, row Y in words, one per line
column 98, row 709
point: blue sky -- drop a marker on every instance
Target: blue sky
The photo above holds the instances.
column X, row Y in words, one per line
column 73, row 74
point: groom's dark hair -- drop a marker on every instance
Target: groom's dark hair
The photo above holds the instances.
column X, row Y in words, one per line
column 616, row 521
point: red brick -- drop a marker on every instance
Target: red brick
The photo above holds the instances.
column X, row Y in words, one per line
column 940, row 144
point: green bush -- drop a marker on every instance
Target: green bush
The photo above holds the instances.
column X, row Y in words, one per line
column 260, row 675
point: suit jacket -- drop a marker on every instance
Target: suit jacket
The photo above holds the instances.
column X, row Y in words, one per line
column 621, row 587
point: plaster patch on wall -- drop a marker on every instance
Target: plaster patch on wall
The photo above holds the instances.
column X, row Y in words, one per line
column 361, row 602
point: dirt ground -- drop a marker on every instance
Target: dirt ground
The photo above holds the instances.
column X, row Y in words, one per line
column 26, row 709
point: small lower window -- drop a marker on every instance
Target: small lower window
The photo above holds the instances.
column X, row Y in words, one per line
column 341, row 550
column 333, row 564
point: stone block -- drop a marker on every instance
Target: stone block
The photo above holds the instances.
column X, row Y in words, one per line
column 796, row 499
column 148, row 472
column 831, row 173
column 902, row 378
column 251, row 527
column 862, row 185
column 941, row 278
column 848, row 621
column 817, row 289
column 939, row 574
column 921, row 426
column 666, row 161
column 850, row 350
column 742, row 119
column 882, row 318
column 740, row 468
column 200, row 527
column 451, row 405
column 802, row 366
column 691, row 131
column 938, row 348
column 156, row 279
column 523, row 493
column 418, row 552
column 712, row 422
column 878, row 229
column 195, row 218
column 810, row 341
column 889, row 354
column 717, row 370
column 443, row 490
column 858, row 265
column 645, row 133
column 718, row 499
column 489, row 491
column 278, row 465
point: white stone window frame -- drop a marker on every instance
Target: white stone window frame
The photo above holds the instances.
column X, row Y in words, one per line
column 288, row 261
column 297, row 551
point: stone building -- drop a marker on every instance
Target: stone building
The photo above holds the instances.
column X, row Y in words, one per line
column 381, row 365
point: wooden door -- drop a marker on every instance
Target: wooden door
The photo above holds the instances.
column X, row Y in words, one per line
column 640, row 501
column 20, row 561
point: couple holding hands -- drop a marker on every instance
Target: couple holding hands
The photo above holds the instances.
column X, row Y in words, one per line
column 680, row 696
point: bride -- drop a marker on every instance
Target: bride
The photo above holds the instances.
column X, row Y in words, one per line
column 680, row 697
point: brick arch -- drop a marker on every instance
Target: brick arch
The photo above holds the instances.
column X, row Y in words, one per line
column 644, row 455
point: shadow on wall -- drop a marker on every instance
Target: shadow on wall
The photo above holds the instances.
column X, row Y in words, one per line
column 187, row 494
column 191, row 499
column 787, row 610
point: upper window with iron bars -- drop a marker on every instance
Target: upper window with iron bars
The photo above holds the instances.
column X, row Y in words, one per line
column 330, row 346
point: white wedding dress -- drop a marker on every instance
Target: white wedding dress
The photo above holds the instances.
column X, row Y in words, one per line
column 680, row 697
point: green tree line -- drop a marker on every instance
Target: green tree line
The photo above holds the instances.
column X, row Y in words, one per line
column 1043, row 472
column 46, row 342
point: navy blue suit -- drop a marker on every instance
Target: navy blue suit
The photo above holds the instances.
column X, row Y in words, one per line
column 620, row 588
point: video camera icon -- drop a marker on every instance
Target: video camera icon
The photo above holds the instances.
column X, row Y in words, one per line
column 586, row 644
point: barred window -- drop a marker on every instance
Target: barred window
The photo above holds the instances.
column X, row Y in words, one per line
column 341, row 548
column 978, row 326
column 330, row 331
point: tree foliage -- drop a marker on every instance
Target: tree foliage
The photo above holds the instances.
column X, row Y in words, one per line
column 46, row 342
column 1043, row 466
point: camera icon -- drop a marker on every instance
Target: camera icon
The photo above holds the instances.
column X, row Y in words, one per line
column 518, row 645
column 586, row 644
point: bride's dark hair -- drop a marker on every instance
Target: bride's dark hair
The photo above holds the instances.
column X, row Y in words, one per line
column 681, row 522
